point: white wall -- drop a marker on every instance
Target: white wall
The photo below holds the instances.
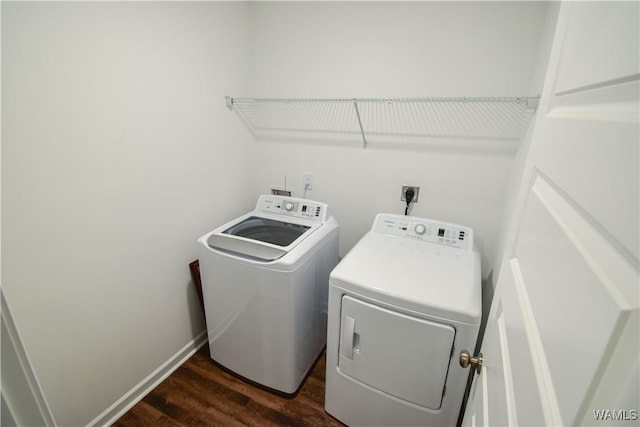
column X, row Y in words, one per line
column 393, row 49
column 117, row 153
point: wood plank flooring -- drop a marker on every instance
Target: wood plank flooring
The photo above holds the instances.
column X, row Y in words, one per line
column 200, row 393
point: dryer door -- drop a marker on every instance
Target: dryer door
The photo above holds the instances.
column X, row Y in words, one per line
column 403, row 356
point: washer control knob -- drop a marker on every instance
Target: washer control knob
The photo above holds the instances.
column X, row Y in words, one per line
column 289, row 206
column 419, row 229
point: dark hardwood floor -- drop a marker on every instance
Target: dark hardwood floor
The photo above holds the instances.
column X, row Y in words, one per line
column 200, row 393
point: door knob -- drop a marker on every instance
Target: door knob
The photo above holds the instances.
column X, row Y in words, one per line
column 466, row 360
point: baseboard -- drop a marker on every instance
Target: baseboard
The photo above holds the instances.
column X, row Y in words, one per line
column 135, row 395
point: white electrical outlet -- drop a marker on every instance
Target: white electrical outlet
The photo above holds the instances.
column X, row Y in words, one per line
column 416, row 190
column 307, row 181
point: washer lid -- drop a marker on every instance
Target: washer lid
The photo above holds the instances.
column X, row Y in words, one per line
column 261, row 236
column 267, row 230
column 272, row 230
column 426, row 278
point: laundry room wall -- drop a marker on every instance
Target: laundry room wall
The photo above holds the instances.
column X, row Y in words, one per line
column 395, row 49
column 116, row 155
column 118, row 152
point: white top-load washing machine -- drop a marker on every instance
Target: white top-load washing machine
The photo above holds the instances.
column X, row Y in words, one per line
column 265, row 278
column 402, row 304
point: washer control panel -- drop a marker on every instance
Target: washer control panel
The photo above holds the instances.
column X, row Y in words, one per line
column 293, row 206
column 425, row 230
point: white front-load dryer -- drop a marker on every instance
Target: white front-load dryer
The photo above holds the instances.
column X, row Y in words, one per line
column 402, row 304
column 265, row 279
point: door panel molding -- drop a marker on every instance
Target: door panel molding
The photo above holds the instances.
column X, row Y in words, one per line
column 563, row 259
column 613, row 101
column 510, row 398
column 611, row 262
column 548, row 398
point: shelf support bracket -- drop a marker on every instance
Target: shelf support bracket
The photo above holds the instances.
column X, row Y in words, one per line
column 229, row 101
column 532, row 103
column 364, row 139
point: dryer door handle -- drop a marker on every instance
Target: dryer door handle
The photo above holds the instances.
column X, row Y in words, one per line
column 346, row 341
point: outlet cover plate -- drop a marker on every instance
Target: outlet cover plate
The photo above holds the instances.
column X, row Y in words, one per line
column 416, row 189
column 278, row 190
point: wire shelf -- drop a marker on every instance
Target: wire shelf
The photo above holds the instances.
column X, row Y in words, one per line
column 469, row 122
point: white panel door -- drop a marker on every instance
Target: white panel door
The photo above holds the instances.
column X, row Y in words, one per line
column 561, row 343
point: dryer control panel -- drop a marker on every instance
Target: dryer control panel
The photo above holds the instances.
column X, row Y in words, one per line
column 425, row 230
column 293, row 206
